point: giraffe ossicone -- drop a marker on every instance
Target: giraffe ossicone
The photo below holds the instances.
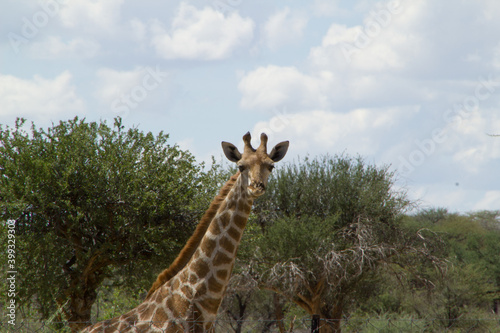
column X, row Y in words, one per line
column 186, row 296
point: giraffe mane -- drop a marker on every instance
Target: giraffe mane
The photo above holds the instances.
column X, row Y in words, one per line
column 188, row 250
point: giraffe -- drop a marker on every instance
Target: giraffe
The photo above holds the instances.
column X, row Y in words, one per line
column 186, row 296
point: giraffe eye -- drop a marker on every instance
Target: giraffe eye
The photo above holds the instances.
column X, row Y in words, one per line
column 270, row 167
column 241, row 168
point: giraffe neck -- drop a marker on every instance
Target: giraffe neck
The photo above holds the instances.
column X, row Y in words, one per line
column 197, row 290
column 194, row 241
column 188, row 301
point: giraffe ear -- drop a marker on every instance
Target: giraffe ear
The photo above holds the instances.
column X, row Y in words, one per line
column 231, row 151
column 279, row 151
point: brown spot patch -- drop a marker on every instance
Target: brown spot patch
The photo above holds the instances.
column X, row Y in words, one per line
column 208, row 246
column 142, row 307
column 234, row 233
column 240, row 221
column 227, row 244
column 160, row 295
column 224, row 219
column 244, row 207
column 130, row 318
column 231, row 204
column 193, row 278
column 210, row 304
column 222, row 259
column 200, row 267
column 222, row 274
column 175, row 283
column 147, row 313
column 187, row 291
column 214, row 286
column 214, row 228
column 141, row 327
column 160, row 315
column 184, row 274
column 177, row 305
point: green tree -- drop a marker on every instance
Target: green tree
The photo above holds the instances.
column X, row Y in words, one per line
column 88, row 198
column 329, row 225
column 431, row 215
column 473, row 245
column 463, row 291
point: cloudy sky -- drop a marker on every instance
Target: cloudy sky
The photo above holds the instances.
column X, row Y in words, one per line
column 414, row 84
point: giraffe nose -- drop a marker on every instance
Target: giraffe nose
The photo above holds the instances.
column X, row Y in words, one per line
column 259, row 186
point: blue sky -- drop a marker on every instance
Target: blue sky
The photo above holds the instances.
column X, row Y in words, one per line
column 414, row 84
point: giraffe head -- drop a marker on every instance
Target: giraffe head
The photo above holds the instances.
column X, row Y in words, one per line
column 255, row 164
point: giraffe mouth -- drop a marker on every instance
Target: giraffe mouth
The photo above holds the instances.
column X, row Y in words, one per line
column 257, row 189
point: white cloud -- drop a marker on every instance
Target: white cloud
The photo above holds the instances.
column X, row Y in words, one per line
column 441, row 195
column 53, row 47
column 327, row 8
column 490, row 201
column 348, row 71
column 468, row 143
column 139, row 29
column 284, row 27
column 386, row 41
column 496, row 57
column 453, row 195
column 204, row 34
column 39, row 97
column 91, row 15
column 124, row 91
column 273, row 86
column 362, row 131
column 113, row 84
column 394, row 57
